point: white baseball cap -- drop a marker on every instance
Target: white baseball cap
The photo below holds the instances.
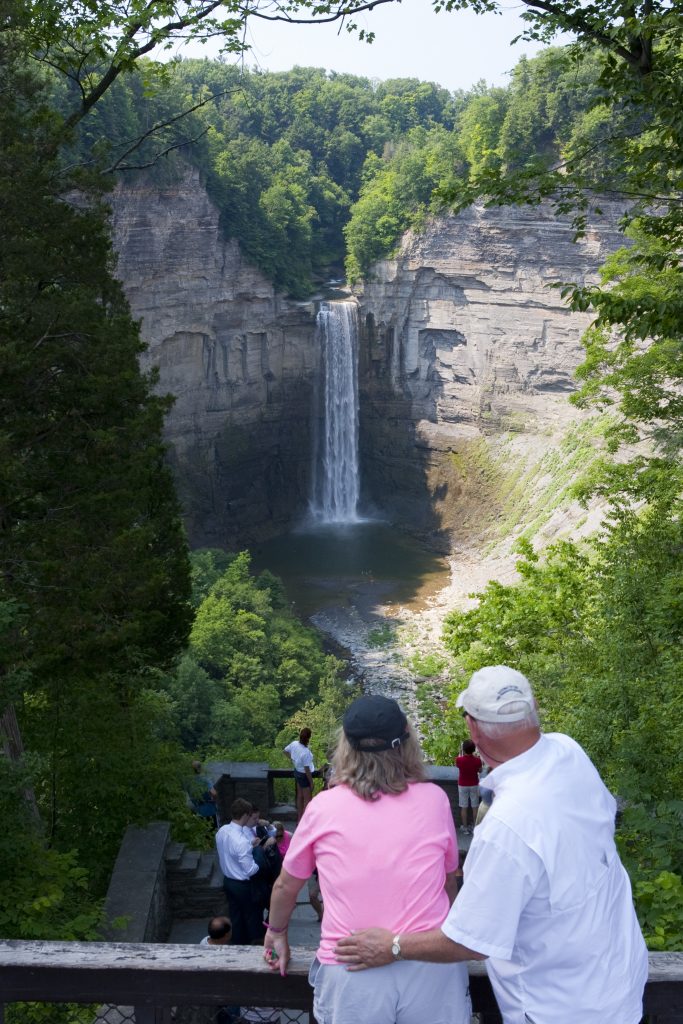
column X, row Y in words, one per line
column 494, row 689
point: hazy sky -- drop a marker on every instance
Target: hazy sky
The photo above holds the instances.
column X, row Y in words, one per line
column 411, row 41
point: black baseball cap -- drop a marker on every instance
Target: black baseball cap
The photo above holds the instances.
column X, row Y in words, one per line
column 374, row 717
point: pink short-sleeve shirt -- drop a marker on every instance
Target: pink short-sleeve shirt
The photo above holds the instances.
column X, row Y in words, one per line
column 380, row 862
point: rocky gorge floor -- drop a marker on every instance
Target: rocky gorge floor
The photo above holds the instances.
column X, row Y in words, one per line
column 389, row 644
column 386, row 643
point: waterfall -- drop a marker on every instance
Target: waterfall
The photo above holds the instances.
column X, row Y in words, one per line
column 335, row 477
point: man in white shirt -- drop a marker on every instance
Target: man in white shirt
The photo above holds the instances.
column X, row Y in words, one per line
column 249, row 828
column 302, row 759
column 546, row 900
column 238, row 866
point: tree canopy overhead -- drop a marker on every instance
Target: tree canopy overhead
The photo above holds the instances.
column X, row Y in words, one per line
column 93, row 45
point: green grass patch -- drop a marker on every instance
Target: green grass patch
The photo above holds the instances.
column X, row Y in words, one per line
column 382, row 636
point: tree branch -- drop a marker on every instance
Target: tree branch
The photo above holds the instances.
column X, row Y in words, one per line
column 121, row 58
column 157, row 156
column 345, row 11
column 136, row 143
column 577, row 21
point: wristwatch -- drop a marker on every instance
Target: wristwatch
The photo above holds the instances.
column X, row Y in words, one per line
column 396, row 947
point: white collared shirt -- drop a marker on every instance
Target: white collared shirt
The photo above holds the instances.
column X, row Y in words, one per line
column 546, row 897
column 234, row 852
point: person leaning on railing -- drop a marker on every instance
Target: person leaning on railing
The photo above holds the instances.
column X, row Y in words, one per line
column 545, row 897
column 383, row 841
column 302, row 760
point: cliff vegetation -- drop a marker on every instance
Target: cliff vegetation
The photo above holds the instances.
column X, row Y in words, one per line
column 310, row 169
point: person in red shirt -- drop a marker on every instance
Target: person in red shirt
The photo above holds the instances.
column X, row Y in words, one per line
column 469, row 766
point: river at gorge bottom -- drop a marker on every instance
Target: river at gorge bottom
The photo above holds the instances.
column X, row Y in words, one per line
column 357, row 583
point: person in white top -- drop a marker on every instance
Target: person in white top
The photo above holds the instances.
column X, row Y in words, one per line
column 302, row 759
column 238, row 866
column 250, row 828
column 546, row 900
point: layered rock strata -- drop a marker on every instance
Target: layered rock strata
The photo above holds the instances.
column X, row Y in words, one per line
column 239, row 359
column 464, row 337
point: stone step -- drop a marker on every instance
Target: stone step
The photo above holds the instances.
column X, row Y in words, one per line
column 180, row 894
column 205, row 909
column 187, row 865
column 173, row 853
column 204, row 868
column 184, row 888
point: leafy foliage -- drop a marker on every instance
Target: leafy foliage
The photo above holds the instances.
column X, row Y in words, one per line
column 598, row 630
column 523, row 129
column 251, row 664
column 282, row 154
column 50, row 899
column 650, row 848
column 94, row 584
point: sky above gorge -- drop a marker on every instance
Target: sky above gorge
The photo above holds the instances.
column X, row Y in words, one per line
column 411, row 41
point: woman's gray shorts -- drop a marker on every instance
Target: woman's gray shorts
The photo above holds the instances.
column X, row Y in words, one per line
column 406, row 992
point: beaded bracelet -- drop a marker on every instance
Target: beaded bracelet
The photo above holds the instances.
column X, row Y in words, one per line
column 277, row 931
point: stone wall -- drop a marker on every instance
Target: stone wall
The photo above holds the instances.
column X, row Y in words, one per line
column 464, row 336
column 248, row 780
column 138, row 894
column 239, row 359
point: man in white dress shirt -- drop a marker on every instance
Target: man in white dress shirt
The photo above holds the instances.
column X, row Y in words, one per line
column 546, row 900
column 238, row 866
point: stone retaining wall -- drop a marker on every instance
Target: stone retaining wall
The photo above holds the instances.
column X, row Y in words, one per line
column 138, row 897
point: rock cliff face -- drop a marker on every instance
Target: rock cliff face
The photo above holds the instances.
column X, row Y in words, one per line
column 462, row 339
column 240, row 360
column 463, row 343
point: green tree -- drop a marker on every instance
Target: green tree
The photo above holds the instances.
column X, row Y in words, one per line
column 598, row 631
column 93, row 559
column 397, row 193
column 251, row 663
column 479, row 127
column 50, row 899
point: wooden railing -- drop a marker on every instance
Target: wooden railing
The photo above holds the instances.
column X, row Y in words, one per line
column 154, row 978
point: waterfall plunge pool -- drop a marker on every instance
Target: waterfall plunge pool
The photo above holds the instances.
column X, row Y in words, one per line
column 368, row 565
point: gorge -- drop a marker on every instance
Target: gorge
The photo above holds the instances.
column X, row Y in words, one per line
column 465, row 353
column 458, row 430
column 237, row 197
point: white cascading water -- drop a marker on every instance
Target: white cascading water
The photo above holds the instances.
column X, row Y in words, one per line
column 336, row 484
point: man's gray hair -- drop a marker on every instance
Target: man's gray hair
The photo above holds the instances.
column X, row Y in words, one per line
column 498, row 729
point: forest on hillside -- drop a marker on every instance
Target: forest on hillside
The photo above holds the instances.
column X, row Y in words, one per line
column 121, row 658
column 312, row 171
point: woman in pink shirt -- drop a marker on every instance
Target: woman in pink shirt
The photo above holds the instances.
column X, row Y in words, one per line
column 383, row 841
column 282, row 837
